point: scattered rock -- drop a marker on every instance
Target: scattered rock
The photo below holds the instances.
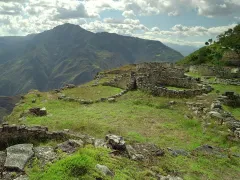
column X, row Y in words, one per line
column 111, row 100
column 38, row 111
column 210, row 150
column 100, row 143
column 115, row 142
column 86, row 102
column 215, row 114
column 216, row 105
column 105, row 170
column 143, row 151
column 18, row 156
column 2, row 160
column 133, row 154
column 45, row 154
column 70, row 146
column 22, row 177
column 177, row 152
column 172, row 103
column 168, row 177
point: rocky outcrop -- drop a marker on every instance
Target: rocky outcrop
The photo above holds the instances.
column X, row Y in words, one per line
column 18, row 156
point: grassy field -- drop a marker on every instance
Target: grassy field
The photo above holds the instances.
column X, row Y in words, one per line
column 138, row 117
column 92, row 93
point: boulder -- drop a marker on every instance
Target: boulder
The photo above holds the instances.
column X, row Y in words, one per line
column 18, row 156
column 70, row 146
column 115, row 142
column 104, row 170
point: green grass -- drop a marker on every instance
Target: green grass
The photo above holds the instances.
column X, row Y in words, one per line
column 92, row 93
column 82, row 165
column 163, row 124
column 223, row 88
column 234, row 111
column 138, row 117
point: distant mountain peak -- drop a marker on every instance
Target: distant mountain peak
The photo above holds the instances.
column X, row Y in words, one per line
column 71, row 54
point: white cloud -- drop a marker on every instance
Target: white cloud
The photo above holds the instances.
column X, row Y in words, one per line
column 21, row 17
column 129, row 14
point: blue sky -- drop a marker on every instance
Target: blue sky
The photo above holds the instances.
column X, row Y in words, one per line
column 183, row 22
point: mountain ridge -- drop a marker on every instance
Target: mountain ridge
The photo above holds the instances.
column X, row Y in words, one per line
column 70, row 54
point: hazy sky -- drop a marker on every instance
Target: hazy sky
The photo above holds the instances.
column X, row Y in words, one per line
column 188, row 22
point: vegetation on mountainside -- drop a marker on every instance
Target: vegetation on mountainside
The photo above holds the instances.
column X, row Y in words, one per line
column 6, row 105
column 70, row 54
column 228, row 44
column 138, row 117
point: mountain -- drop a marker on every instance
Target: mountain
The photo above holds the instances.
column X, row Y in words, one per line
column 70, row 54
column 183, row 49
column 6, row 105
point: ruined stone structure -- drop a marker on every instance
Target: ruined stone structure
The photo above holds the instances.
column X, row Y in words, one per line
column 156, row 77
column 15, row 134
column 221, row 72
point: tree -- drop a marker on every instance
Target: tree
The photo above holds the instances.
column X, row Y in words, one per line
column 210, row 41
column 231, row 39
column 206, row 43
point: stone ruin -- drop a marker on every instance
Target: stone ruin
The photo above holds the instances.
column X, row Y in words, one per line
column 156, row 77
column 218, row 71
column 18, row 150
column 12, row 134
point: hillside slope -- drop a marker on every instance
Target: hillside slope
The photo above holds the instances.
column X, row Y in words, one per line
column 224, row 52
column 70, row 54
column 194, row 147
column 6, row 105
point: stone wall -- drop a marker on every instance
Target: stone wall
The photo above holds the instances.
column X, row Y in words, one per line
column 221, row 72
column 15, row 134
column 161, row 69
column 155, row 77
column 120, row 81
